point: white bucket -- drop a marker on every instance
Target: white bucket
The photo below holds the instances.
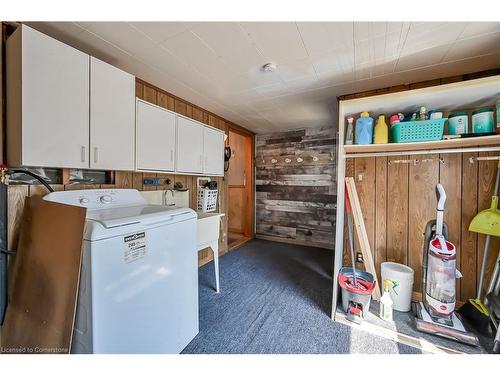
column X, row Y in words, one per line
column 403, row 275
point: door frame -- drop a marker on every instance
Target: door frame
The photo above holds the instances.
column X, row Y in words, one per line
column 249, row 230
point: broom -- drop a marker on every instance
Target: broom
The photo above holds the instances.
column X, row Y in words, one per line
column 486, row 222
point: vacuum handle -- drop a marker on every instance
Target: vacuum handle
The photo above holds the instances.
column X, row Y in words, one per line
column 441, row 196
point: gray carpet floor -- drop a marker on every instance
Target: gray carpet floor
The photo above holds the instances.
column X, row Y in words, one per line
column 276, row 298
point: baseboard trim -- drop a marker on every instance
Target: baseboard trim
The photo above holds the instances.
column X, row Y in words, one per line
column 292, row 241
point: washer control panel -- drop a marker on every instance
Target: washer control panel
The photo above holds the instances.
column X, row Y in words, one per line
column 97, row 198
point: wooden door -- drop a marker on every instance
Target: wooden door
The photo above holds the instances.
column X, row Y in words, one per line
column 155, row 138
column 48, row 99
column 213, row 147
column 112, row 117
column 240, row 184
column 189, row 146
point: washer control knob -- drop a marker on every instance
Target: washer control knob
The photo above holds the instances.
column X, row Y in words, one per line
column 106, row 199
column 84, row 200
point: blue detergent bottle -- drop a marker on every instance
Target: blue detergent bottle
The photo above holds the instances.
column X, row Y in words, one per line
column 364, row 129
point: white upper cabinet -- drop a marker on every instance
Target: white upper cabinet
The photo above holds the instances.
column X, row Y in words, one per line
column 112, row 117
column 213, row 141
column 189, row 146
column 48, row 102
column 155, row 138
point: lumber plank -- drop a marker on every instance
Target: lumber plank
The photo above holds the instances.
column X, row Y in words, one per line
column 361, row 233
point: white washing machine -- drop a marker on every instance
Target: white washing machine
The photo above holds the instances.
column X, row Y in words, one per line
column 139, row 278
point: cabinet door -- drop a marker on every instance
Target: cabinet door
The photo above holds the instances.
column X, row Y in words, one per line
column 189, row 146
column 213, row 151
column 112, row 117
column 55, row 102
column 155, row 138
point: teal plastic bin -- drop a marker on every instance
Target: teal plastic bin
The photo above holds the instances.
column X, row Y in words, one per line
column 418, row 131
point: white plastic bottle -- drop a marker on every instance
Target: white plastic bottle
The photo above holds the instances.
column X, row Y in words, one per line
column 386, row 302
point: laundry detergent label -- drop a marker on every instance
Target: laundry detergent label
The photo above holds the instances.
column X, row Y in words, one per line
column 134, row 247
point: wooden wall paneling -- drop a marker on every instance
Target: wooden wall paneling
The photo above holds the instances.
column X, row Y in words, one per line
column 486, row 183
column 42, row 190
column 450, row 176
column 197, row 114
column 397, row 210
column 150, row 94
column 469, row 200
column 423, row 178
column 139, row 90
column 300, row 206
column 180, row 107
column 123, row 179
column 380, row 247
column 364, row 177
column 15, row 205
column 137, row 180
column 166, row 101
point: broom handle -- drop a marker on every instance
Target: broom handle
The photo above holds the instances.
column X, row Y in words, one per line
column 488, row 240
column 483, row 266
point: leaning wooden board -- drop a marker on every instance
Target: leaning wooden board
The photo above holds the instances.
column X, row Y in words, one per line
column 362, row 236
column 44, row 280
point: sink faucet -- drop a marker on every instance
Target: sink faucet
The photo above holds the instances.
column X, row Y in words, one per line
column 166, row 197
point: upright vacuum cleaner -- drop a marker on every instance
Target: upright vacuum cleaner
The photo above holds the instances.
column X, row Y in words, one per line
column 436, row 313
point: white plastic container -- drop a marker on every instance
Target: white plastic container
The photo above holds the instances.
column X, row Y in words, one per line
column 403, row 275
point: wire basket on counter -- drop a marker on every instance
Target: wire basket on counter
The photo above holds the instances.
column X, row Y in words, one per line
column 207, row 194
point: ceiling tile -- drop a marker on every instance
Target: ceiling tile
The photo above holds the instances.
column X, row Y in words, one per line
column 231, row 44
column 421, row 58
column 476, row 46
column 478, row 28
column 321, row 37
column 424, row 35
column 159, row 31
column 278, row 41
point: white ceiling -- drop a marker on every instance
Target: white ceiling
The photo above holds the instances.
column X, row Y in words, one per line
column 217, row 65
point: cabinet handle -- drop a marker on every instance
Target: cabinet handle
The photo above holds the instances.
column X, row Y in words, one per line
column 96, row 154
column 244, row 179
column 83, row 157
column 171, row 155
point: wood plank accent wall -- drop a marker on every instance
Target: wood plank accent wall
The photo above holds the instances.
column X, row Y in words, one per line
column 295, row 201
column 398, row 199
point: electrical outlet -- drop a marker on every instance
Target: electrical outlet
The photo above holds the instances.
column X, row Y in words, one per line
column 359, row 258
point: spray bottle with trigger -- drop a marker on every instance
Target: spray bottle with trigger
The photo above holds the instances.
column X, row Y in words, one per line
column 386, row 300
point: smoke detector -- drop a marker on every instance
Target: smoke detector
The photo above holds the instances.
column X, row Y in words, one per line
column 269, row 67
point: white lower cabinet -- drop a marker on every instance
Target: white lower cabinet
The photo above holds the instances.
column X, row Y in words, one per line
column 155, row 138
column 189, row 146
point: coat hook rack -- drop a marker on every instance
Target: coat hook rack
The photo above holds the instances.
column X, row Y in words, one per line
column 414, row 161
column 472, row 159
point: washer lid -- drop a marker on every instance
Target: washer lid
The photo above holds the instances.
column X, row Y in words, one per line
column 144, row 214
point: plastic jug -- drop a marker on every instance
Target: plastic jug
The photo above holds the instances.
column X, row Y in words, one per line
column 381, row 131
column 364, row 129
